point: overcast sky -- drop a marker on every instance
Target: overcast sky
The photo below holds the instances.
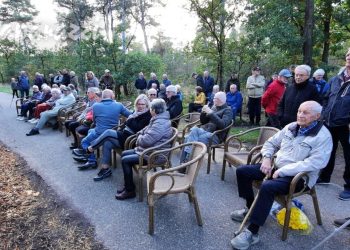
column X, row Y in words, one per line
column 176, row 23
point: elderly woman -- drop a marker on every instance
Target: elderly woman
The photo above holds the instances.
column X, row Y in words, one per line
column 36, row 96
column 111, row 139
column 55, row 95
column 157, row 132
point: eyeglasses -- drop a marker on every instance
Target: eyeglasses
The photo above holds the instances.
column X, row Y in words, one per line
column 153, row 94
column 141, row 104
column 300, row 75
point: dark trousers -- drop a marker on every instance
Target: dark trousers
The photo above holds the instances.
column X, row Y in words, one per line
column 71, row 125
column 254, row 108
column 340, row 133
column 14, row 92
column 26, row 91
column 269, row 188
column 273, row 121
column 129, row 158
column 194, row 107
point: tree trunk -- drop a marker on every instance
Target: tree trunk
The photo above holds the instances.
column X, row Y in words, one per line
column 308, row 30
column 326, row 30
column 145, row 37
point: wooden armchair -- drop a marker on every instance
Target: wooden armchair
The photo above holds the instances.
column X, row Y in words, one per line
column 161, row 161
column 237, row 151
column 67, row 112
column 286, row 200
column 212, row 146
column 19, row 102
column 190, row 120
column 170, row 181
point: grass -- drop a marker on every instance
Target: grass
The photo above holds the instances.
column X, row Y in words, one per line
column 249, row 137
column 5, row 89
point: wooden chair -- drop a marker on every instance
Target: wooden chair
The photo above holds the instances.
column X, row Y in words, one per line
column 67, row 112
column 212, row 146
column 170, row 181
column 286, row 200
column 127, row 104
column 19, row 102
column 190, row 120
column 175, row 121
column 162, row 161
column 243, row 153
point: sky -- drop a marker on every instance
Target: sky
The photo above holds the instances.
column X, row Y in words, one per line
column 175, row 22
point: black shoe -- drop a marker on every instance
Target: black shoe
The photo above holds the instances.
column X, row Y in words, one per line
column 33, row 132
column 81, row 159
column 102, row 174
column 88, row 165
column 73, row 147
column 55, row 126
column 79, row 152
column 340, row 222
column 125, row 195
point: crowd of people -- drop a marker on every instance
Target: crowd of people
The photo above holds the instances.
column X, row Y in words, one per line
column 313, row 115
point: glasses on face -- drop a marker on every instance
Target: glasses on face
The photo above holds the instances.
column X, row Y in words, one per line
column 153, row 94
column 300, row 75
column 141, row 104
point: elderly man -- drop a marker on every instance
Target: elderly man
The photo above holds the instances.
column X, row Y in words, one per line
column 141, row 84
column 199, row 79
column 107, row 81
column 91, row 80
column 173, row 102
column 337, row 118
column 234, row 99
column 166, row 81
column 65, row 100
column 297, row 93
column 302, row 146
column 152, row 94
column 106, row 116
column 255, row 87
column 273, row 96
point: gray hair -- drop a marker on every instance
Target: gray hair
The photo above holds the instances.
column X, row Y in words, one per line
column 304, row 67
column 93, row 90
column 56, row 91
column 107, row 94
column 142, row 97
column 47, row 87
column 315, row 106
column 158, row 106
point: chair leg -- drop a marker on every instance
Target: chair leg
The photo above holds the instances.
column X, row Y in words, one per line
column 196, row 207
column 223, row 169
column 114, row 158
column 316, row 206
column 190, row 197
column 286, row 220
column 214, row 154
column 140, row 186
column 209, row 161
column 151, row 218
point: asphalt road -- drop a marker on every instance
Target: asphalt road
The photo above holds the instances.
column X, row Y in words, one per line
column 124, row 224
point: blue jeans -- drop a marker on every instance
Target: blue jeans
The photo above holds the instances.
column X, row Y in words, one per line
column 109, row 140
column 86, row 142
column 269, row 188
column 129, row 159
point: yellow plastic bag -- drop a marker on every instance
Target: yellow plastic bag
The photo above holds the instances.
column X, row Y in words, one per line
column 298, row 220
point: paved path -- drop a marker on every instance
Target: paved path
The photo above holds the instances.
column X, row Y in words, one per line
column 124, row 224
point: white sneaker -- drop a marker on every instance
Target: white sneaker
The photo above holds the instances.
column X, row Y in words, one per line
column 238, row 215
column 244, row 240
column 33, row 121
column 21, row 118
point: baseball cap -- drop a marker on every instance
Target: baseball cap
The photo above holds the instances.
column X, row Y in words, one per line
column 285, row 73
column 107, row 71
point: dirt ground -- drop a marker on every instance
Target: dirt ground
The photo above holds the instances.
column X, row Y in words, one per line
column 31, row 214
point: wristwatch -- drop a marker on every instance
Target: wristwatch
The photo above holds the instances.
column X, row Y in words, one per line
column 268, row 156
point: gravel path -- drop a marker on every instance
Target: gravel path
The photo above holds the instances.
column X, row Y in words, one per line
column 124, row 224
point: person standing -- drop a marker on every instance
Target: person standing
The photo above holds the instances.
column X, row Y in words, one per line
column 107, row 82
column 208, row 84
column 337, row 119
column 141, row 84
column 255, row 87
column 14, row 87
column 297, row 93
column 23, row 84
column 166, row 81
column 199, row 79
column 273, row 95
column 233, row 80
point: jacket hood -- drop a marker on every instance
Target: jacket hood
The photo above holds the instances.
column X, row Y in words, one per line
column 165, row 115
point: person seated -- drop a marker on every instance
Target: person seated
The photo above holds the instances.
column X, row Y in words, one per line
column 36, row 96
column 321, row 84
column 73, row 90
column 173, row 103
column 66, row 100
column 72, row 125
column 45, row 96
column 212, row 119
column 157, row 132
column 301, row 146
column 210, row 100
column 152, row 94
column 199, row 101
column 105, row 116
column 234, row 99
column 55, row 95
column 162, row 91
column 111, row 139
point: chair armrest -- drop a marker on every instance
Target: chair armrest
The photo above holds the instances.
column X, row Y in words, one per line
column 252, row 152
column 232, row 138
column 217, row 132
column 295, row 181
column 130, row 140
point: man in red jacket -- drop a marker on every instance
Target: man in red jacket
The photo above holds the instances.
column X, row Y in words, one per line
column 273, row 95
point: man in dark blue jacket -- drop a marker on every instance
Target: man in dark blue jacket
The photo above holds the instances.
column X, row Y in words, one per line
column 141, row 84
column 23, row 84
column 336, row 115
column 208, row 84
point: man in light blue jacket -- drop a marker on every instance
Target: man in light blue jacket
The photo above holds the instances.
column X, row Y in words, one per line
column 302, row 146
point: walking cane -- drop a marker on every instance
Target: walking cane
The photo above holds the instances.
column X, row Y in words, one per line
column 241, row 227
column 12, row 101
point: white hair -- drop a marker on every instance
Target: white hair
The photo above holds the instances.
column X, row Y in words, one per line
column 304, row 67
column 319, row 72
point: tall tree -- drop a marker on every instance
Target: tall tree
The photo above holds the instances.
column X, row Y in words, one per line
column 216, row 19
column 140, row 12
column 308, row 32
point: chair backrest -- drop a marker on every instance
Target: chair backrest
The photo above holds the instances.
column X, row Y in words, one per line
column 197, row 155
column 194, row 117
column 168, row 144
column 265, row 134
